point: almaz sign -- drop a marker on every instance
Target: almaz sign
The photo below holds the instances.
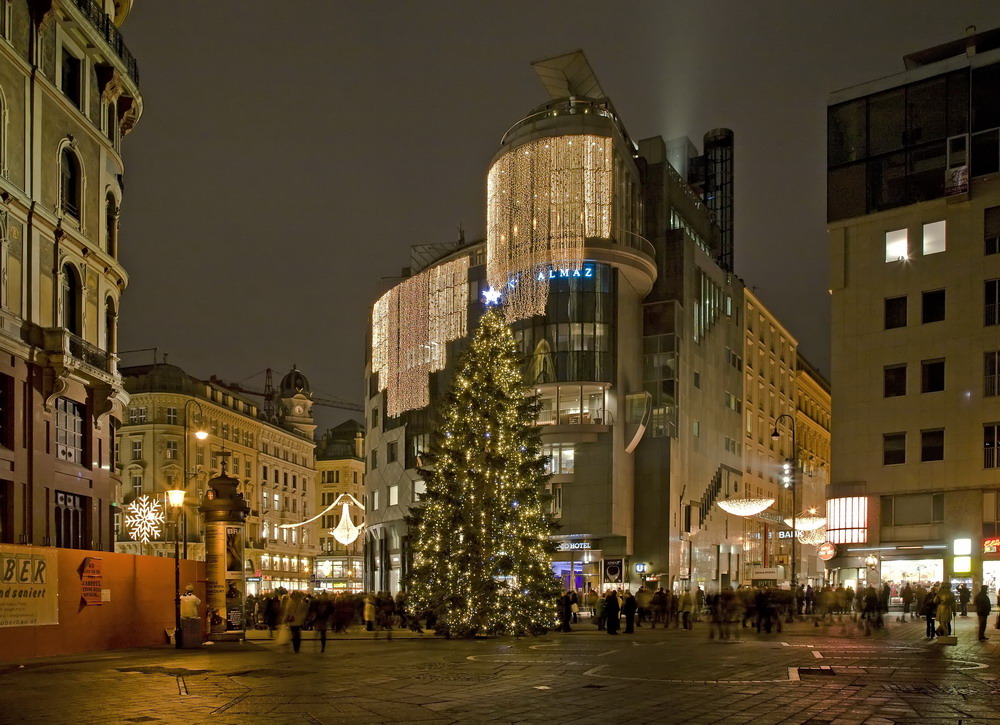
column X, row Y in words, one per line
column 585, row 272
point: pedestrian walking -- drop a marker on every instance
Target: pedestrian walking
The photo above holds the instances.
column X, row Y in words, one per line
column 983, row 607
column 599, row 615
column 320, row 614
column 295, row 614
column 686, row 608
column 368, row 613
column 907, row 597
column 945, row 611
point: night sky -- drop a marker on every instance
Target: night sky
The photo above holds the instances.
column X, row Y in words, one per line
column 289, row 153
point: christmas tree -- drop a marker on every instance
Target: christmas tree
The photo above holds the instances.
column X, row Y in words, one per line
column 482, row 551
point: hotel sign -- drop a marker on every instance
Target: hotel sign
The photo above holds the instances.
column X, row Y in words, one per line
column 573, row 545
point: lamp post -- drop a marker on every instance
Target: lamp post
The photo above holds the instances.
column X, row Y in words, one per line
column 201, row 435
column 175, row 497
column 791, row 483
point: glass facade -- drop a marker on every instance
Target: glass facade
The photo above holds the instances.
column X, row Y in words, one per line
column 575, row 338
column 899, row 146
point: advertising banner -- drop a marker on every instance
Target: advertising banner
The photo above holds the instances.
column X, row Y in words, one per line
column 614, row 571
column 29, row 586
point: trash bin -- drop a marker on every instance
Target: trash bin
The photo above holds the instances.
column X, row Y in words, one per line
column 191, row 634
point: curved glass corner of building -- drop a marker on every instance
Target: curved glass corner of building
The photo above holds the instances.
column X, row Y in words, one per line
column 575, row 340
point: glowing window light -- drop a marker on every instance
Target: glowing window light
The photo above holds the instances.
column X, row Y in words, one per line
column 895, row 245
column 544, row 199
column 847, row 520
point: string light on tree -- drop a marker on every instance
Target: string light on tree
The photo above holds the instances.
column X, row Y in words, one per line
column 481, row 538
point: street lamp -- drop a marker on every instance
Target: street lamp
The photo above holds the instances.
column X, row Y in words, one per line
column 175, row 497
column 201, row 435
column 790, row 482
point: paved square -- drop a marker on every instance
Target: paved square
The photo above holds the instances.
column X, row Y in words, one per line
column 805, row 674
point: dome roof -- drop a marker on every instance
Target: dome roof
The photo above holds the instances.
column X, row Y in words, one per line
column 295, row 383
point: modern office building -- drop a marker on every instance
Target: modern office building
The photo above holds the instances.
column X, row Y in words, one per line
column 178, row 433
column 618, row 285
column 340, row 472
column 914, row 240
column 68, row 95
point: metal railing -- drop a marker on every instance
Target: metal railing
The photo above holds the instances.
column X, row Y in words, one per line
column 85, row 352
column 109, row 31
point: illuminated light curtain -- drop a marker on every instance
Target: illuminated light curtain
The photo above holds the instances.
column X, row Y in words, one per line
column 847, row 520
column 544, row 199
column 411, row 326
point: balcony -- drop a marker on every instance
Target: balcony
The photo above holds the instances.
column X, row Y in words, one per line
column 109, row 32
column 70, row 352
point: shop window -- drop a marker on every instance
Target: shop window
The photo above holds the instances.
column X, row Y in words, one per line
column 893, row 448
column 932, row 445
column 932, row 308
column 895, row 312
column 934, row 237
column 894, row 381
column 931, row 376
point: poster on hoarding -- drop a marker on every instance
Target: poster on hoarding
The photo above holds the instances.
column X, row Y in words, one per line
column 614, row 571
column 234, row 549
column 90, row 581
column 29, row 585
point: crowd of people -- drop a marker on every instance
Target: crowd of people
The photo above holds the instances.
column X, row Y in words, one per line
column 323, row 612
column 726, row 612
column 765, row 608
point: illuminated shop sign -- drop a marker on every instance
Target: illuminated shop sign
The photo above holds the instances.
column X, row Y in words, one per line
column 991, row 546
column 847, row 520
column 573, row 545
column 584, row 272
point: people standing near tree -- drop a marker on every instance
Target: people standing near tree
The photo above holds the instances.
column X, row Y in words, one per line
column 611, row 611
column 964, row 596
column 983, row 607
column 629, row 609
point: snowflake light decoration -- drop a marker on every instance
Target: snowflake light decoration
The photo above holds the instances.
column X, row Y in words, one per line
column 143, row 519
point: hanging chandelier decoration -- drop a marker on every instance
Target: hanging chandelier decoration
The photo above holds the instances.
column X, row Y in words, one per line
column 544, row 199
column 813, row 537
column 346, row 531
column 411, row 326
column 745, row 506
column 808, row 520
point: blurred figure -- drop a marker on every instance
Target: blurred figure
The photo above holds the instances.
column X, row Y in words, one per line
column 983, row 607
column 295, row 613
column 611, row 610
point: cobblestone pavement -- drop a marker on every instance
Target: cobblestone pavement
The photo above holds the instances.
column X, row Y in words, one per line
column 805, row 674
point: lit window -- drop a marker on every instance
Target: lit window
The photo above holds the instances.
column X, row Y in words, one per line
column 419, row 489
column 934, row 237
column 374, row 500
column 393, row 495
column 895, row 245
column 172, row 450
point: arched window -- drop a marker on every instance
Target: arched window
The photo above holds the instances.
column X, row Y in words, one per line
column 70, row 183
column 72, row 303
column 110, row 325
column 111, row 225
